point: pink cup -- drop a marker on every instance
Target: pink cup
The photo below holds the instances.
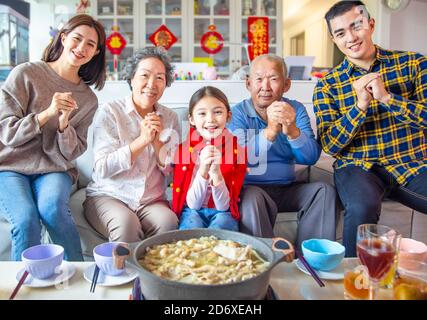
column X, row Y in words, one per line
column 411, row 249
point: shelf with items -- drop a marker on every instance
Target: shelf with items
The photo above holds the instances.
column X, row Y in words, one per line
column 188, row 20
column 119, row 13
column 272, row 9
column 126, row 53
column 125, row 25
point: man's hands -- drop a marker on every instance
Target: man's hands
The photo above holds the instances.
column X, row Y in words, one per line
column 281, row 117
column 210, row 161
column 370, row 87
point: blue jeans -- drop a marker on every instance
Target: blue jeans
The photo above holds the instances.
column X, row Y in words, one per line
column 207, row 218
column 361, row 193
column 25, row 200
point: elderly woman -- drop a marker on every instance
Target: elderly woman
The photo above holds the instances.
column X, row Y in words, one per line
column 134, row 142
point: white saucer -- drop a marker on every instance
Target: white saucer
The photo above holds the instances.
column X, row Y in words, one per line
column 105, row 280
column 335, row 274
column 65, row 272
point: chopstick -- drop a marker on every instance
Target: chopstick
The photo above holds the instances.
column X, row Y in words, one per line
column 18, row 286
column 271, row 295
column 311, row 270
column 136, row 290
column 94, row 279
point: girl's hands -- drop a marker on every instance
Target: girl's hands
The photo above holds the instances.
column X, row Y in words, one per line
column 215, row 169
column 210, row 161
column 205, row 159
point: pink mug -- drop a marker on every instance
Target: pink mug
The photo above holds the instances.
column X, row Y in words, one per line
column 411, row 249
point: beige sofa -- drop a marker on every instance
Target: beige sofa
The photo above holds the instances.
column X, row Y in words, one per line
column 409, row 223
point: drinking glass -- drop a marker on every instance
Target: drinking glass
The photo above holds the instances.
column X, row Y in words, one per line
column 410, row 282
column 377, row 246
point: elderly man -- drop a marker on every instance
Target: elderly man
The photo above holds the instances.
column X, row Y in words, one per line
column 278, row 135
column 372, row 116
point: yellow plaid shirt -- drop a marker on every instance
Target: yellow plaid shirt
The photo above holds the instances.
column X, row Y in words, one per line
column 392, row 135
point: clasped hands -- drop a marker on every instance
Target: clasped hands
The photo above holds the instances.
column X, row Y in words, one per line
column 151, row 127
column 210, row 164
column 62, row 104
column 370, row 87
column 281, row 117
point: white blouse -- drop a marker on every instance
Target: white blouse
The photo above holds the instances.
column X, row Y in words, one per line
column 116, row 125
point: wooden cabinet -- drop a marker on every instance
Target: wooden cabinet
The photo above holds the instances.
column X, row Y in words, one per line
column 188, row 20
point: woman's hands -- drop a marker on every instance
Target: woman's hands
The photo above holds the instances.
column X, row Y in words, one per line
column 151, row 127
column 62, row 105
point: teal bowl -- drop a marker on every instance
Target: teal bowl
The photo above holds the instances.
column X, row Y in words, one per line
column 323, row 254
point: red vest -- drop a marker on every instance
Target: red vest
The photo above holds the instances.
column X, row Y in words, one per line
column 233, row 168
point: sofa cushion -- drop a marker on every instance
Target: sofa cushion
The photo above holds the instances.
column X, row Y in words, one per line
column 5, row 243
column 89, row 237
column 84, row 163
column 5, row 238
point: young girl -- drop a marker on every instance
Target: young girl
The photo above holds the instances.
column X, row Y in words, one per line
column 209, row 166
column 46, row 109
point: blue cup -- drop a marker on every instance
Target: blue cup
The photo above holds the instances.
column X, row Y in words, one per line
column 323, row 254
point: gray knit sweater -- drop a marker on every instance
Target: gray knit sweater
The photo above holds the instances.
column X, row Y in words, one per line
column 24, row 146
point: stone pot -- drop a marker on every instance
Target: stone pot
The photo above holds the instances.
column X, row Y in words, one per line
column 155, row 288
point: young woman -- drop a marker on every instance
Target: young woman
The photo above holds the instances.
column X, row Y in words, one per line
column 209, row 166
column 46, row 108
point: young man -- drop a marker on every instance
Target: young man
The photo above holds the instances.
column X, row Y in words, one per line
column 278, row 135
column 371, row 116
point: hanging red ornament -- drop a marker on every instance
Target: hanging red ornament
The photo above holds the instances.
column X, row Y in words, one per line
column 163, row 37
column 115, row 42
column 257, row 36
column 212, row 41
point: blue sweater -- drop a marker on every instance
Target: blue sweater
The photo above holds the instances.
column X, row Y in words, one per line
column 273, row 162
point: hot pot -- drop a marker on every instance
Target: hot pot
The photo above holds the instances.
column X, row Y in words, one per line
column 155, row 288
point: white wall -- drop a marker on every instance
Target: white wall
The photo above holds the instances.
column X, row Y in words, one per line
column 42, row 16
column 408, row 28
column 310, row 19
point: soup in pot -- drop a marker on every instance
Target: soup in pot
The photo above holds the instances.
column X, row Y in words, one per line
column 204, row 260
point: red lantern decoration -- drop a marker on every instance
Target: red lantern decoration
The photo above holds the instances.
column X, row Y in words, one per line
column 163, row 37
column 212, row 41
column 257, row 36
column 115, row 42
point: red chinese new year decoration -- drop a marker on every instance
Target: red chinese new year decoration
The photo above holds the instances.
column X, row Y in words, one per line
column 163, row 37
column 212, row 41
column 257, row 36
column 115, row 42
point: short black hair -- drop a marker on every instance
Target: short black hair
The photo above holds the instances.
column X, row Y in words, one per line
column 341, row 7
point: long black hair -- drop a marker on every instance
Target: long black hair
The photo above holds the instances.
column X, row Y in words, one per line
column 93, row 72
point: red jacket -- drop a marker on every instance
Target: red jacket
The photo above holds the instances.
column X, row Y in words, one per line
column 233, row 168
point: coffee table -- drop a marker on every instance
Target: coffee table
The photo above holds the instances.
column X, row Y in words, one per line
column 288, row 282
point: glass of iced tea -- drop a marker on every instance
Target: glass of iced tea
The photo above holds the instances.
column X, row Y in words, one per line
column 377, row 246
column 410, row 282
column 356, row 284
